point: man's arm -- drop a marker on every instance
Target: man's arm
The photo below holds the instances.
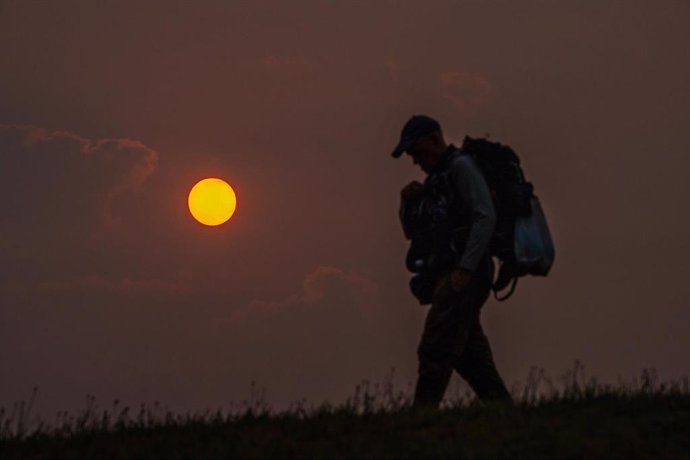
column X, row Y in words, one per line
column 475, row 195
column 409, row 207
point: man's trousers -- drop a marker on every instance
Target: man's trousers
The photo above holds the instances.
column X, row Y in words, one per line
column 453, row 339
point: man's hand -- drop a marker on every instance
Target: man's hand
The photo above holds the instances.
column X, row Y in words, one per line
column 459, row 279
column 411, row 190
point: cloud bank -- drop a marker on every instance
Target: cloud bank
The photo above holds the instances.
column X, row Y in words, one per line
column 61, row 193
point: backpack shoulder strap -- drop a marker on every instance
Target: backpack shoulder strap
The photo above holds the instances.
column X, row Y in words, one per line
column 513, row 285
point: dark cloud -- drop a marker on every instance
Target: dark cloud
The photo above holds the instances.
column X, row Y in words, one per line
column 63, row 193
column 68, row 175
column 321, row 287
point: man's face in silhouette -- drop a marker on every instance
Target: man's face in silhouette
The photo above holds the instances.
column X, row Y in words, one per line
column 427, row 151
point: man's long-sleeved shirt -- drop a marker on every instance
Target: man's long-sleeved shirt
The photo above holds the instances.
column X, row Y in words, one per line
column 458, row 199
column 476, row 204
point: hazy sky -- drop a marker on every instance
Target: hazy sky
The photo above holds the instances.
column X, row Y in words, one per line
column 111, row 111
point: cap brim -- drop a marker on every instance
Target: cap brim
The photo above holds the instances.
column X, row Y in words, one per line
column 400, row 149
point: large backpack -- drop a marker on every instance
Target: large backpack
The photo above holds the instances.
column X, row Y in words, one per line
column 521, row 240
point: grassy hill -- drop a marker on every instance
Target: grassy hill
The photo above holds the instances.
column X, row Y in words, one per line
column 646, row 422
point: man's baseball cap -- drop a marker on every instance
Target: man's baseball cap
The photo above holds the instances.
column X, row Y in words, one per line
column 416, row 127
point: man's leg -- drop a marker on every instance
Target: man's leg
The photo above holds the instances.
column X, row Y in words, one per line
column 476, row 366
column 445, row 333
column 435, row 370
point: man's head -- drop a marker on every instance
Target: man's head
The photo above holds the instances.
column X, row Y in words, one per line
column 422, row 139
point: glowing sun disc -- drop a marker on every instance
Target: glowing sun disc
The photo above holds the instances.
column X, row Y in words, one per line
column 212, row 201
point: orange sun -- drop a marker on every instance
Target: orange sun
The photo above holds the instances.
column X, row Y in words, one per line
column 212, row 201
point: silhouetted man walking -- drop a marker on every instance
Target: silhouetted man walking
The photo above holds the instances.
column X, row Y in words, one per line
column 450, row 220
